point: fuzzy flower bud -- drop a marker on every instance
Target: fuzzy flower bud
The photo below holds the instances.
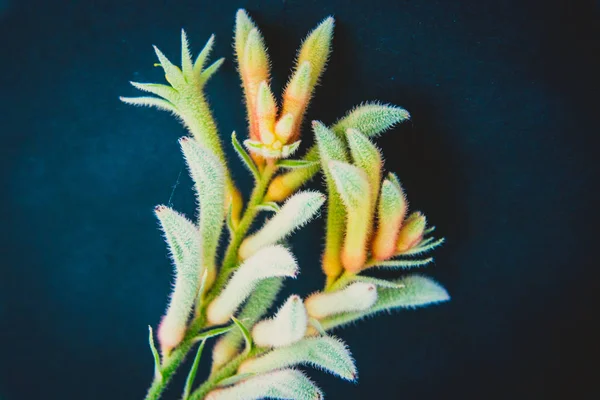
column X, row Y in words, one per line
column 359, row 296
column 288, row 326
column 411, row 232
column 390, row 214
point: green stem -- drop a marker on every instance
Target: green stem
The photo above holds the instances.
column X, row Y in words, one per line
column 174, row 360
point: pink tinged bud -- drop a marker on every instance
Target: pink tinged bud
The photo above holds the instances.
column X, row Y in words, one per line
column 170, row 333
column 316, row 48
column 411, row 232
column 254, row 69
column 358, row 296
column 353, row 186
column 391, row 211
column 285, row 126
column 367, row 157
column 266, row 110
column 297, row 96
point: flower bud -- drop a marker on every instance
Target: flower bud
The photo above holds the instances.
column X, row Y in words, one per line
column 411, row 232
column 359, row 296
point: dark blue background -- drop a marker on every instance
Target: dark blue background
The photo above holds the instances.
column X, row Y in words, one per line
column 499, row 155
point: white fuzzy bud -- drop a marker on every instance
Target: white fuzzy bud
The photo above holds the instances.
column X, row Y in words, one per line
column 358, row 296
column 288, row 326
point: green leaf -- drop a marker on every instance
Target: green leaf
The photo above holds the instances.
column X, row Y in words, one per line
column 245, row 333
column 208, row 174
column 269, row 206
column 151, row 102
column 172, row 73
column 296, row 164
column 423, row 248
column 244, row 156
column 317, row 325
column 183, row 239
column 324, row 352
column 405, row 264
column 203, row 56
column 229, row 220
column 234, row 379
column 157, row 371
column 210, row 71
column 192, row 375
column 417, row 291
column 213, row 332
column 371, row 119
column 377, row 282
column 186, row 57
column 283, row 384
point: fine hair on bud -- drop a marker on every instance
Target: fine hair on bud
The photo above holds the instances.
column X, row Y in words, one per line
column 296, row 212
column 286, row 327
column 270, row 261
column 358, row 296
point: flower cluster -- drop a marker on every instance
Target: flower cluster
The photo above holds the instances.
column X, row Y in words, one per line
column 228, row 293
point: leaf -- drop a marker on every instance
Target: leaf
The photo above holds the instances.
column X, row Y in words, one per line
column 192, row 374
column 377, row 282
column 151, row 102
column 245, row 333
column 208, row 174
column 203, row 56
column 172, row 73
column 184, row 243
column 244, row 156
column 164, row 91
column 296, row 164
column 297, row 211
column 269, row 206
column 423, row 248
column 317, row 325
column 157, row 371
column 210, row 71
column 371, row 119
column 405, row 264
column 282, row 384
column 186, row 57
column 213, row 332
column 286, row 327
column 418, row 291
column 271, row 261
column 358, row 296
column 323, row 352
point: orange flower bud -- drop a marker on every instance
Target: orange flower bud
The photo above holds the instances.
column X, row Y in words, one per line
column 411, row 232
